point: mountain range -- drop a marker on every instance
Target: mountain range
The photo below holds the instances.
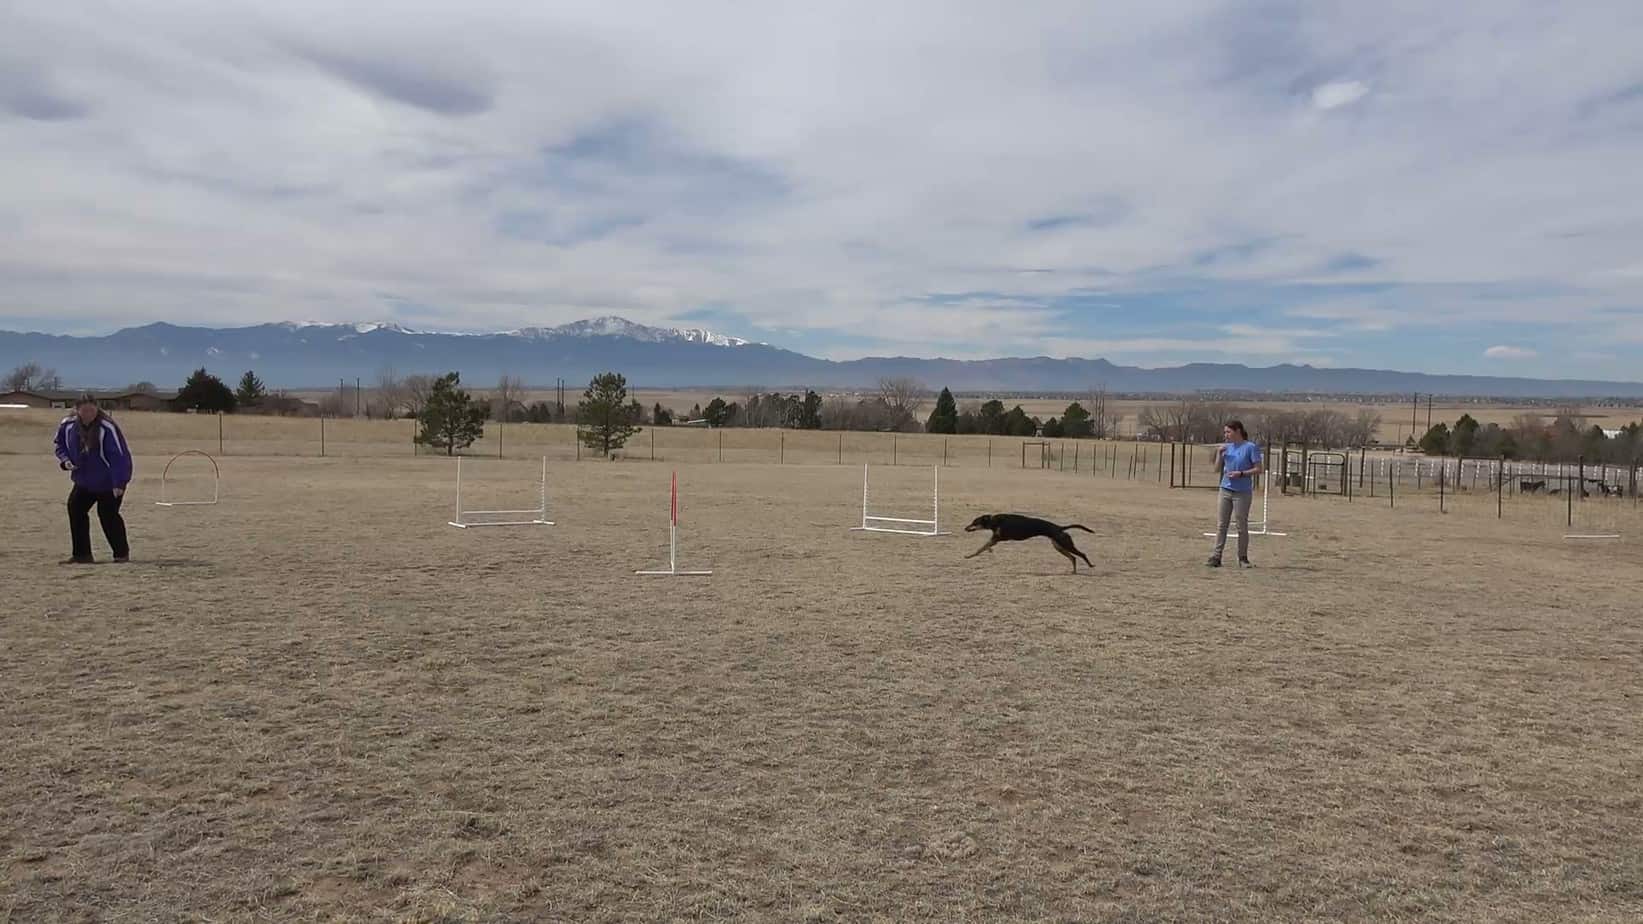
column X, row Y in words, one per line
column 296, row 355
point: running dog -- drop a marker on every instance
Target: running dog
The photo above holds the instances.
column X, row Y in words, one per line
column 1015, row 527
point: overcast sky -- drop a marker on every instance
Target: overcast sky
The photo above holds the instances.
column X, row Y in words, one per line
column 1427, row 186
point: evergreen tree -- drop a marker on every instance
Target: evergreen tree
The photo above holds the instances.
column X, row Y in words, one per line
column 1436, row 440
column 810, row 411
column 944, row 419
column 250, row 393
column 717, row 413
column 991, row 419
column 1017, row 423
column 450, row 419
column 606, row 418
column 1464, row 437
column 205, row 392
column 1076, row 423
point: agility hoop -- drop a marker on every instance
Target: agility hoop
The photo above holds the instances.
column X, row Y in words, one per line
column 216, row 482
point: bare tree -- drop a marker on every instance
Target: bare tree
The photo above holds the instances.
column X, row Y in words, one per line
column 1097, row 406
column 905, row 398
column 507, row 402
column 390, row 393
column 838, row 413
column 32, row 375
column 1362, row 430
column 417, row 389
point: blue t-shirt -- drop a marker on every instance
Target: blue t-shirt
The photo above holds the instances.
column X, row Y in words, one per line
column 1240, row 457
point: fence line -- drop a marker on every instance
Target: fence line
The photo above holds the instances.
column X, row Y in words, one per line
column 1494, row 487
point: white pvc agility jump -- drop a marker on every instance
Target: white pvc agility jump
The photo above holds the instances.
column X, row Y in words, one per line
column 538, row 515
column 903, row 525
column 1263, row 526
column 216, row 482
column 673, row 537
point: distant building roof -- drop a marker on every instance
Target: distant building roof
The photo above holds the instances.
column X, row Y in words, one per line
column 60, row 394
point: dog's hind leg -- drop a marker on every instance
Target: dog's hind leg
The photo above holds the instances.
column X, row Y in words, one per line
column 1067, row 555
column 1064, row 545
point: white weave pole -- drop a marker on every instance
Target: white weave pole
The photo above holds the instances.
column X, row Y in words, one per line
column 216, row 482
column 902, row 525
column 538, row 516
column 673, row 537
column 1260, row 529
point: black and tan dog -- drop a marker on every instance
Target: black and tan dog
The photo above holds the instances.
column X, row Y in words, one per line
column 1015, row 527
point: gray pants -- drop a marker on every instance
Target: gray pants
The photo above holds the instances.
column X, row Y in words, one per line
column 1234, row 502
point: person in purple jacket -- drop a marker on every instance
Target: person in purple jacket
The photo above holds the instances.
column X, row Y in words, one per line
column 92, row 449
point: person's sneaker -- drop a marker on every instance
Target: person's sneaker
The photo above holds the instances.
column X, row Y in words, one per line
column 1214, row 561
column 1245, row 563
column 76, row 560
column 126, row 560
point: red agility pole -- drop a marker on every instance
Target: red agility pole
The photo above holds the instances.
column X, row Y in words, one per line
column 673, row 535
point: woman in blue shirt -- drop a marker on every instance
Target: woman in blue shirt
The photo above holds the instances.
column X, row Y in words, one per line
column 1239, row 461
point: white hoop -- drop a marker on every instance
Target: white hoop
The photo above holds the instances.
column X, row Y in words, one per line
column 538, row 515
column 930, row 527
column 216, row 481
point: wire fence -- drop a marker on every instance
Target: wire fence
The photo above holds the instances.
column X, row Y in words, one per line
column 1599, row 499
column 30, row 431
column 1582, row 500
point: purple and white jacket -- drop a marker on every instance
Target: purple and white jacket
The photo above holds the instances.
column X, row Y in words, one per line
column 100, row 468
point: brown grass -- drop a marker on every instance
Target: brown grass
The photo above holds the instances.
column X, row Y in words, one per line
column 317, row 702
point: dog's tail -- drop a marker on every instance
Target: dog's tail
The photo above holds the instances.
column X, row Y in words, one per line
column 1077, row 526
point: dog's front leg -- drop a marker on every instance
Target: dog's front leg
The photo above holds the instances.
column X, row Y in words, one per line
column 985, row 547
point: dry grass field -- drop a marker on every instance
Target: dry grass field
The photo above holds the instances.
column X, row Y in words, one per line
column 317, row 702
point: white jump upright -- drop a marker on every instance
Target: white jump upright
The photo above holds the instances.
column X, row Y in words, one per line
column 216, row 482
column 538, row 516
column 1261, row 528
column 902, row 525
column 673, row 537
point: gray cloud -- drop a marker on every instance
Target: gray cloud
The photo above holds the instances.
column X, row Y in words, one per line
column 41, row 105
column 403, row 80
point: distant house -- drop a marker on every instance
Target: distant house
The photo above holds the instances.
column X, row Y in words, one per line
column 283, row 406
column 126, row 400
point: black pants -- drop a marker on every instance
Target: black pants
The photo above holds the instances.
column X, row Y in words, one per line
column 80, row 502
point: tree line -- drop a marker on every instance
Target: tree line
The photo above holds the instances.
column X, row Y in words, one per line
column 1200, row 421
column 1530, row 437
column 451, row 418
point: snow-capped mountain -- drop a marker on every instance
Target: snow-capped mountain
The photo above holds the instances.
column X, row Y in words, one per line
column 305, row 355
column 611, row 326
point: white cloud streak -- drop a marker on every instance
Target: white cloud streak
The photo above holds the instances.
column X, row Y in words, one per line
column 791, row 165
